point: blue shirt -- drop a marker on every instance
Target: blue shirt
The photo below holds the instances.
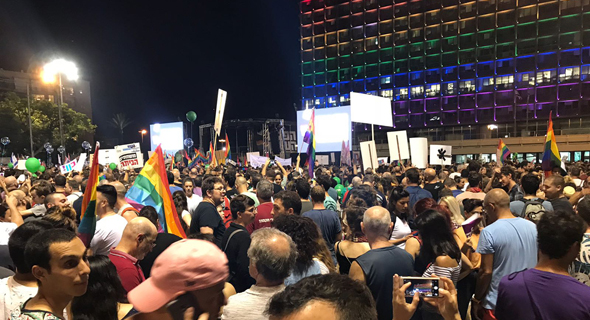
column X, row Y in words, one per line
column 312, row 270
column 329, row 224
column 513, row 242
column 456, row 192
column 417, row 194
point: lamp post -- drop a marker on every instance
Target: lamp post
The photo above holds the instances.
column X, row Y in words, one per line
column 143, row 132
column 55, row 69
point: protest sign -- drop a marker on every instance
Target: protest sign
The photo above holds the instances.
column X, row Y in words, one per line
column 398, row 145
column 283, row 162
column 129, row 155
column 419, row 150
column 440, row 155
column 369, row 155
column 68, row 167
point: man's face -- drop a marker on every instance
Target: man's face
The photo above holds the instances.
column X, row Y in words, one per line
column 278, row 208
column 315, row 309
column 146, row 243
column 59, row 200
column 249, row 214
column 490, row 214
column 551, row 191
column 462, row 183
column 69, row 269
column 505, row 180
column 193, row 173
column 217, row 193
column 210, row 300
column 188, row 189
column 101, row 202
column 68, row 189
column 36, row 198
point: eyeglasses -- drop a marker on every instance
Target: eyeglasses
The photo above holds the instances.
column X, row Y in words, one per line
column 219, row 189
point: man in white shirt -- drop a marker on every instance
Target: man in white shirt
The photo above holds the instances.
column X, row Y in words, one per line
column 72, row 190
column 110, row 225
column 272, row 256
column 192, row 199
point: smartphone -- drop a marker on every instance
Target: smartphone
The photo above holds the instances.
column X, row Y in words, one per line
column 426, row 287
column 178, row 307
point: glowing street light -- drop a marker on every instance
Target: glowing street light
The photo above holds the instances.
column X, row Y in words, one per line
column 51, row 71
column 143, row 132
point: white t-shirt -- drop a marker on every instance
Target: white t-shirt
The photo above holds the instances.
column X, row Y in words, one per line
column 184, row 213
column 12, row 295
column 250, row 304
column 400, row 230
column 6, row 229
column 74, row 196
column 109, row 231
column 193, row 202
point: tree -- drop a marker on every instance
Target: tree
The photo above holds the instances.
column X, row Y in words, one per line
column 45, row 123
column 120, row 122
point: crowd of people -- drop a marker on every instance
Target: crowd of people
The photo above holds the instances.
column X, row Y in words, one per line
column 505, row 242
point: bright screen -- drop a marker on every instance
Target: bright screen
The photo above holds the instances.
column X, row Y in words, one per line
column 332, row 126
column 170, row 135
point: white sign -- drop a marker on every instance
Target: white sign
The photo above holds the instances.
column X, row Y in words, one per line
column 67, row 167
column 283, row 162
column 440, row 155
column 129, row 155
column 21, row 165
column 108, row 156
column 366, row 108
column 249, row 154
column 81, row 161
column 382, row 160
column 221, row 97
column 398, row 145
column 323, row 160
column 256, row 161
column 132, row 147
column 419, row 148
column 369, row 155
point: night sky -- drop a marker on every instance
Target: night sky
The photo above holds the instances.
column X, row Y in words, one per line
column 156, row 60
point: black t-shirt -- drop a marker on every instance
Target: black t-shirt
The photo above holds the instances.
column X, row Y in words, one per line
column 206, row 215
column 562, row 204
column 434, row 188
column 237, row 255
column 231, row 193
column 379, row 267
column 277, row 188
column 163, row 241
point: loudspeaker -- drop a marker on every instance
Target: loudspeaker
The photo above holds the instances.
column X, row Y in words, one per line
column 275, row 143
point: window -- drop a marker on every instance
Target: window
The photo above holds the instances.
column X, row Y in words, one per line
column 569, row 73
column 433, row 90
column 38, row 97
column 401, row 23
column 504, row 82
column 387, row 93
column 527, row 14
column 401, row 93
column 449, row 88
column 417, row 92
column 545, row 77
column 466, row 86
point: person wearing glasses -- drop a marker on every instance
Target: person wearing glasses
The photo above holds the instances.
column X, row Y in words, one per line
column 206, row 218
column 236, row 241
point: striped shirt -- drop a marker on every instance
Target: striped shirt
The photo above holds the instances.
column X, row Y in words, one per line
column 444, row 272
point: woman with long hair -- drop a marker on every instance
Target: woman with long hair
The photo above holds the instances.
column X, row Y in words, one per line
column 105, row 286
column 181, row 204
column 355, row 243
column 398, row 208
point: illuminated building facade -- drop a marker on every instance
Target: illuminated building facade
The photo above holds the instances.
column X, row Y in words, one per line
column 452, row 67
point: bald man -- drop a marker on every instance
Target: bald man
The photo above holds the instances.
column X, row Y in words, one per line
column 432, row 184
column 122, row 207
column 139, row 238
column 508, row 244
column 11, row 183
column 378, row 266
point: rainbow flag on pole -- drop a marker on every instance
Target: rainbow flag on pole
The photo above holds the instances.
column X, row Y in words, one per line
column 227, row 149
column 151, row 189
column 88, row 217
column 310, row 140
column 551, row 157
column 502, row 153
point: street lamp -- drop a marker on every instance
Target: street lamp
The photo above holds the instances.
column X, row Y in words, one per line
column 49, row 73
column 143, row 132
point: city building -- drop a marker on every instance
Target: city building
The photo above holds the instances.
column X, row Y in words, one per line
column 76, row 94
column 456, row 70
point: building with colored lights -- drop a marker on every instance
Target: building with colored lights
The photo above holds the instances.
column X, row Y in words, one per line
column 453, row 67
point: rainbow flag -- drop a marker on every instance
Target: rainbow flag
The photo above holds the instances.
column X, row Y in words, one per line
column 88, row 217
column 551, row 157
column 502, row 153
column 151, row 189
column 212, row 160
column 227, row 150
column 310, row 140
column 200, row 157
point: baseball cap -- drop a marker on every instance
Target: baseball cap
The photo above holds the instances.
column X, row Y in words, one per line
column 187, row 265
column 569, row 191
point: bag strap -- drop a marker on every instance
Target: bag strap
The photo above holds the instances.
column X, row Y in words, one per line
column 229, row 239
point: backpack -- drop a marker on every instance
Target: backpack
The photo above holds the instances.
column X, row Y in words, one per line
column 533, row 209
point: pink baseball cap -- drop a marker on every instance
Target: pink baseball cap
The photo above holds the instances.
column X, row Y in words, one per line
column 187, row 265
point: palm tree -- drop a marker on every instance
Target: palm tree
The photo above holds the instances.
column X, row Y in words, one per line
column 120, row 122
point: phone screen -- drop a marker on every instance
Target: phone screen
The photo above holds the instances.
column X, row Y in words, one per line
column 426, row 287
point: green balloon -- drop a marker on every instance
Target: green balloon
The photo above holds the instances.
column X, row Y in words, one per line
column 10, row 165
column 191, row 116
column 34, row 175
column 113, row 166
column 32, row 164
column 337, row 180
column 206, row 166
column 340, row 188
column 42, row 169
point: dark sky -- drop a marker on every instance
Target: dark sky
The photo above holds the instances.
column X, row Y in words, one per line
column 156, row 60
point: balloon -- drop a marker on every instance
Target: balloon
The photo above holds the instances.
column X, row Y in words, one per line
column 42, row 169
column 32, row 164
column 10, row 165
column 337, row 180
column 206, row 166
column 113, row 166
column 340, row 188
column 34, row 175
column 191, row 116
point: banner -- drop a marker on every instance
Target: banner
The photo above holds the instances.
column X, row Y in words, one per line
column 221, row 97
column 256, row 161
column 249, row 154
column 129, row 155
column 323, row 160
column 284, row 162
column 68, row 167
column 80, row 165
